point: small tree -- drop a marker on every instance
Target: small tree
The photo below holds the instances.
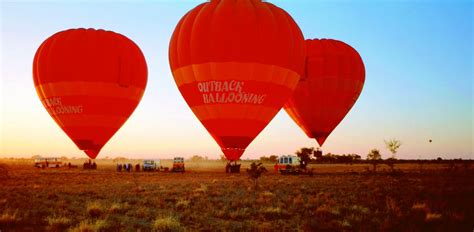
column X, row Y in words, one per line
column 196, row 158
column 120, row 159
column 305, row 155
column 392, row 145
column 374, row 156
column 223, row 158
column 255, row 171
column 318, row 154
column 355, row 157
column 273, row 158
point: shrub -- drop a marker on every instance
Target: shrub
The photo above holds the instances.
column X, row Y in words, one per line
column 98, row 225
column 182, row 204
column 255, row 171
column 267, row 194
column 431, row 217
column 272, row 212
column 202, row 189
column 167, row 224
column 420, row 207
column 94, row 209
column 115, row 208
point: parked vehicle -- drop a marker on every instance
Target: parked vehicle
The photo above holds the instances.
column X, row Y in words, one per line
column 151, row 165
column 178, row 164
column 289, row 164
column 48, row 162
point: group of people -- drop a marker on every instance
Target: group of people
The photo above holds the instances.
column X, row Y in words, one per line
column 127, row 167
column 89, row 165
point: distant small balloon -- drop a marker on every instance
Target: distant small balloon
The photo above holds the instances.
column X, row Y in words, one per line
column 431, row 140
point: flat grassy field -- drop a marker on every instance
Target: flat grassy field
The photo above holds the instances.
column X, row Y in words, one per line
column 433, row 197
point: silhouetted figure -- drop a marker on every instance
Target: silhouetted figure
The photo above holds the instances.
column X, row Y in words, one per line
column 227, row 168
column 119, row 167
column 137, row 167
column 94, row 165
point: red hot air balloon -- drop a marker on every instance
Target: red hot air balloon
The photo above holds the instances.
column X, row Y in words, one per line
column 90, row 81
column 332, row 83
column 236, row 63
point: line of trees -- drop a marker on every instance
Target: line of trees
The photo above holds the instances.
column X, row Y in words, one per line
column 312, row 155
column 270, row 159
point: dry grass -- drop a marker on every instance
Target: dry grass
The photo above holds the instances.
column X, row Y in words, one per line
column 336, row 198
column 90, row 226
column 167, row 224
column 58, row 223
column 94, row 209
column 9, row 217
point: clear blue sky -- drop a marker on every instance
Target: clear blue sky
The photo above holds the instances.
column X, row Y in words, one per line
column 419, row 78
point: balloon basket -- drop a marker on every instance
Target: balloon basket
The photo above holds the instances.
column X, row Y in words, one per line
column 232, row 167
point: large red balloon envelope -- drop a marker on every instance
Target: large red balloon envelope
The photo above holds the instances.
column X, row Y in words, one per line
column 332, row 83
column 90, row 81
column 236, row 63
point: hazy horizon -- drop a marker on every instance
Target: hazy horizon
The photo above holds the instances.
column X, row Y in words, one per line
column 419, row 68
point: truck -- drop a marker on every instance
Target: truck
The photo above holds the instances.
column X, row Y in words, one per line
column 178, row 164
column 48, row 162
column 151, row 165
column 290, row 164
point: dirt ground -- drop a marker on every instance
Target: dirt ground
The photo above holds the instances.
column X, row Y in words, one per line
column 338, row 197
